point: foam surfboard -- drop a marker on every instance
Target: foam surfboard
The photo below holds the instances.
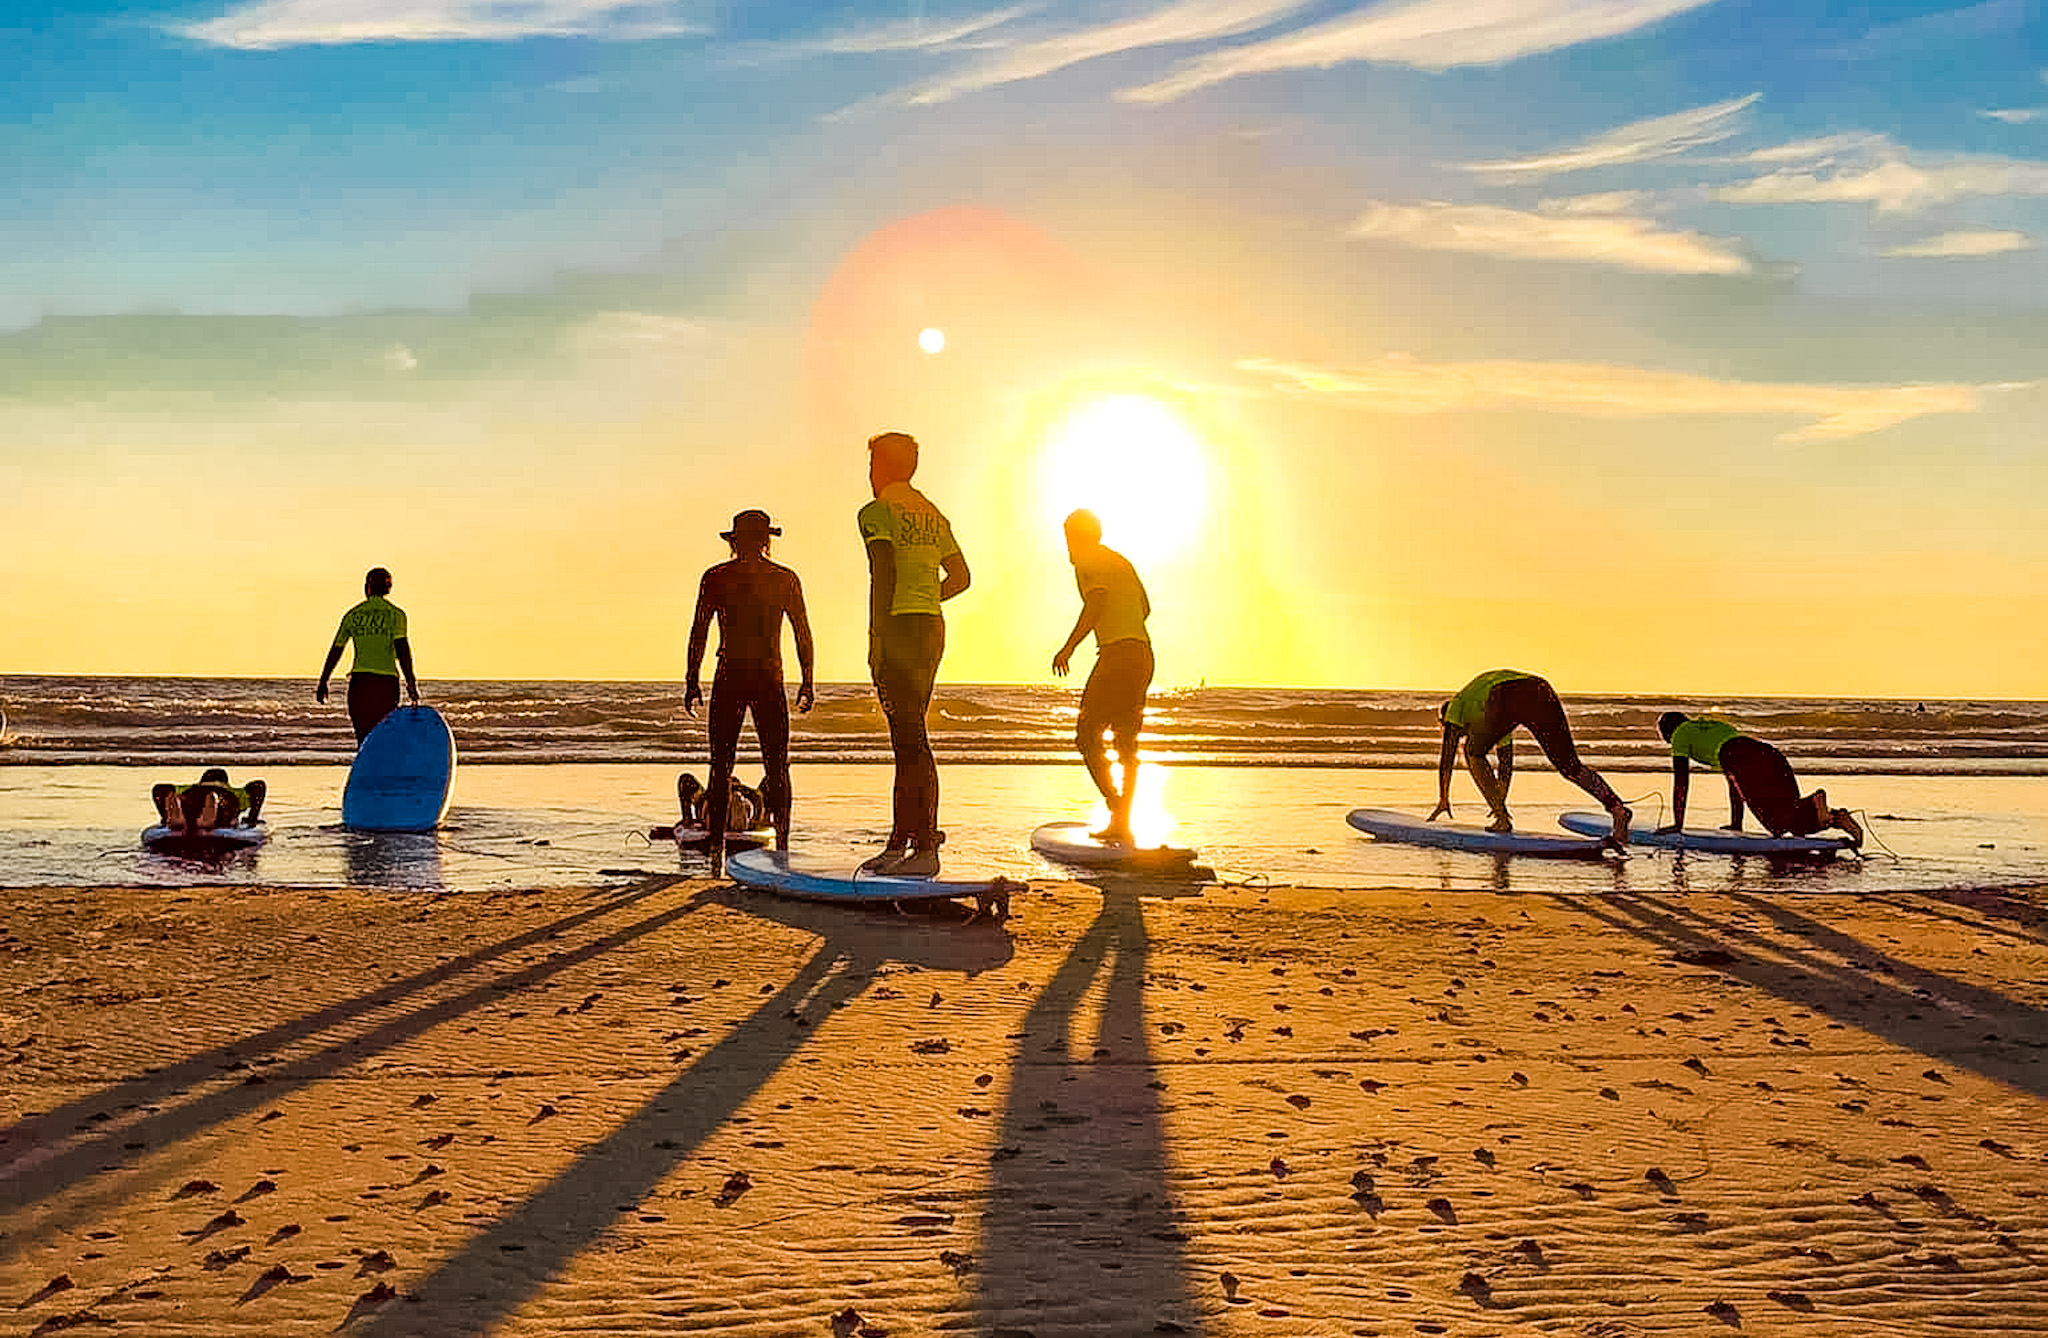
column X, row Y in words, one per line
column 1387, row 825
column 1712, row 841
column 696, row 838
column 820, row 878
column 1070, row 843
column 215, row 843
column 403, row 774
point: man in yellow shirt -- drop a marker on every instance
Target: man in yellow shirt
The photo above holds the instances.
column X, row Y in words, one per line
column 914, row 565
column 1114, row 606
column 377, row 626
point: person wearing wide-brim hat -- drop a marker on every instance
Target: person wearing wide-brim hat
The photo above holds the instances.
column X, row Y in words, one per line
column 750, row 596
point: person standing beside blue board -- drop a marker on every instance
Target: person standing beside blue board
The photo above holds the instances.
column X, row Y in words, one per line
column 377, row 627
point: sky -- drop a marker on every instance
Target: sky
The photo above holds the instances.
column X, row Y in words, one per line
column 1671, row 346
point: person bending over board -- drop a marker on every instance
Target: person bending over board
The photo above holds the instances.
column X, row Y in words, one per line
column 750, row 596
column 377, row 626
column 209, row 803
column 1485, row 713
column 1757, row 773
column 914, row 566
column 745, row 811
column 1114, row 606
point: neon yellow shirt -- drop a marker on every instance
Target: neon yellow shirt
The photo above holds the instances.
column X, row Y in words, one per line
column 373, row 625
column 922, row 537
column 1464, row 709
column 1125, row 606
column 241, row 795
column 1700, row 740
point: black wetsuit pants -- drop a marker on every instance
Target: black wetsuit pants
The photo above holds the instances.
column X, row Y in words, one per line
column 909, row 648
column 735, row 693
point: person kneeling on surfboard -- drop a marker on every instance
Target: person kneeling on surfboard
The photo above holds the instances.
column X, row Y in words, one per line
column 745, row 811
column 1757, row 773
column 1114, row 606
column 212, row 802
column 377, row 626
column 750, row 596
column 1485, row 713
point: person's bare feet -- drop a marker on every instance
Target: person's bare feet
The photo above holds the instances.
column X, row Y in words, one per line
column 1502, row 824
column 1621, row 821
column 1842, row 818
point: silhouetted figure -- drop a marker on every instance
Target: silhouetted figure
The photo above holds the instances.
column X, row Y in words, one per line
column 377, row 627
column 750, row 596
column 914, row 566
column 1114, row 606
column 1485, row 713
column 211, row 802
column 1758, row 775
column 744, row 811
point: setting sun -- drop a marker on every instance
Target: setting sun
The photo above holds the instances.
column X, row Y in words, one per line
column 1137, row 464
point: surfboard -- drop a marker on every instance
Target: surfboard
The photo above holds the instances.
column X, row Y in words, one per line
column 1070, row 843
column 402, row 775
column 819, row 878
column 216, row 843
column 696, row 838
column 1387, row 825
column 1712, row 840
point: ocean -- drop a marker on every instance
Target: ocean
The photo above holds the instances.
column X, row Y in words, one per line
column 560, row 781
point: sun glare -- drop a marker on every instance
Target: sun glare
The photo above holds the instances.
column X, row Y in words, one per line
column 931, row 339
column 1135, row 463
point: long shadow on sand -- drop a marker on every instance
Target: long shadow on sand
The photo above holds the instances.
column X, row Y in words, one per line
column 499, row 1269
column 1925, row 1011
column 1080, row 1186
column 26, row 1179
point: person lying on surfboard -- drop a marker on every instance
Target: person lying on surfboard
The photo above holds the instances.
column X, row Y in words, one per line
column 750, row 596
column 1757, row 774
column 914, row 566
column 1114, row 606
column 209, row 803
column 745, row 811
column 1485, row 714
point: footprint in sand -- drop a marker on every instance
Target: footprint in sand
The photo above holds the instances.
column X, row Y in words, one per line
column 1443, row 1209
column 1662, row 1181
column 217, row 1260
column 370, row 1300
column 275, row 1275
column 735, row 1185
column 194, row 1188
column 377, row 1261
column 258, row 1190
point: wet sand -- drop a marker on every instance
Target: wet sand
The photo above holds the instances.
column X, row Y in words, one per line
column 670, row 1107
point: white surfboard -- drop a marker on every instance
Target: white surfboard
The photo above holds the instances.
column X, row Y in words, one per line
column 1387, row 825
column 698, row 839
column 1070, row 843
column 403, row 774
column 1712, row 840
column 817, row 878
column 214, row 843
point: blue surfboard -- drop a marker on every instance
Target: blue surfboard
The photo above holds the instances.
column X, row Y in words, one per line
column 814, row 878
column 403, row 774
column 1387, row 825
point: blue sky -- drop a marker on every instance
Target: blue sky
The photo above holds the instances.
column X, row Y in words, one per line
column 1786, row 258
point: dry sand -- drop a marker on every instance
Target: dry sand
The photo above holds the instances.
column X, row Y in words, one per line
column 672, row 1107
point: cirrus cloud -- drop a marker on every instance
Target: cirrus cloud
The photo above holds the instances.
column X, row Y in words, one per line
column 1636, row 142
column 1403, row 385
column 1621, row 240
column 270, row 25
column 1968, row 242
column 1894, row 186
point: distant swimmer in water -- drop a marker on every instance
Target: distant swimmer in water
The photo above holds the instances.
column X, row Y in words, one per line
column 1485, row 713
column 377, row 626
column 749, row 596
column 1758, row 775
column 209, row 803
column 1114, row 606
column 914, row 566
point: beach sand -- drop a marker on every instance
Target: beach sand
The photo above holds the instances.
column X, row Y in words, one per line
column 673, row 1107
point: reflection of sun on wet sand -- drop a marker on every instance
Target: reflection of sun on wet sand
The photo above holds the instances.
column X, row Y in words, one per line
column 673, row 1107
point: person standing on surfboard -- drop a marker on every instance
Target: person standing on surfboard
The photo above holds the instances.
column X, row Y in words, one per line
column 914, row 566
column 1114, row 606
column 750, row 596
column 377, row 626
column 1485, row 713
column 1757, row 773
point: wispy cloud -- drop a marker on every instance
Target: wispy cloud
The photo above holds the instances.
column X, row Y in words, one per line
column 1636, row 142
column 1621, row 240
column 1404, row 385
column 2018, row 115
column 1427, row 34
column 1172, row 25
column 1968, row 242
column 272, row 24
column 1814, row 150
column 915, row 34
column 1895, row 185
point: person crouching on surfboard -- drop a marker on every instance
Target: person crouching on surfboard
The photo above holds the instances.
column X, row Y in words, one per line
column 1757, row 773
column 914, row 566
column 377, row 626
column 750, row 596
column 745, row 810
column 1485, row 713
column 212, row 802
column 1114, row 606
